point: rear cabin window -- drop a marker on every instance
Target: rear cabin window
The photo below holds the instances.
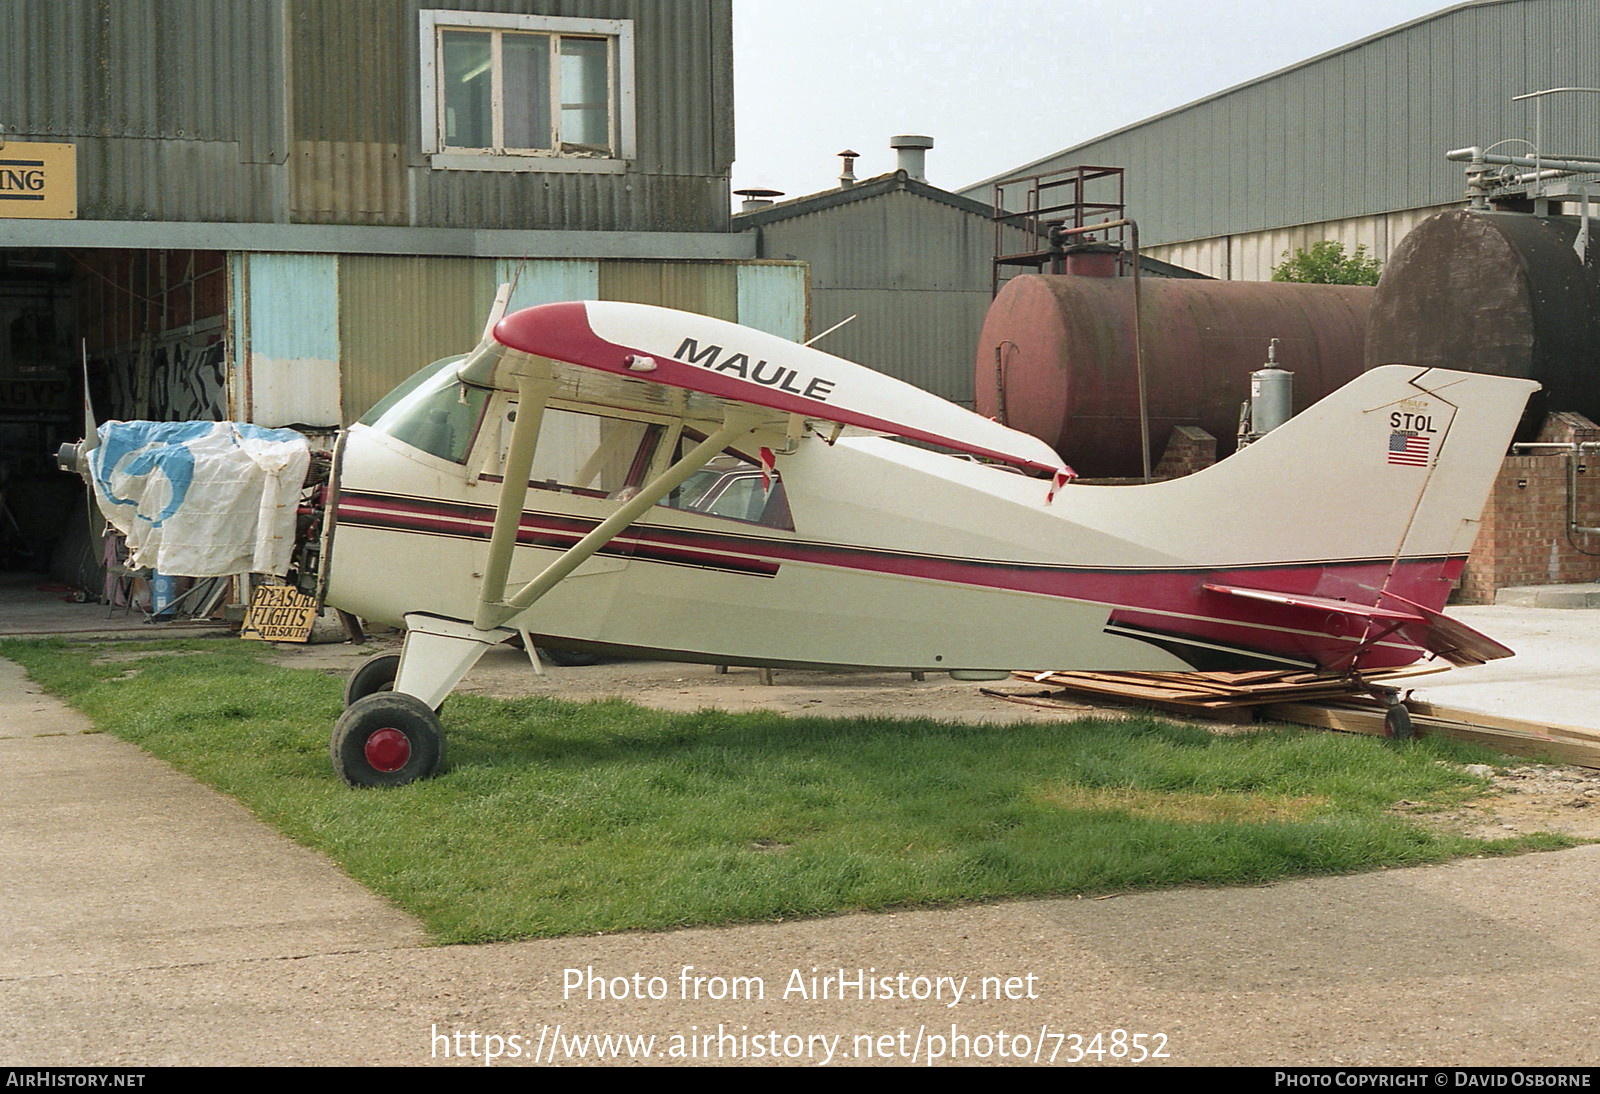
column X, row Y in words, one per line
column 732, row 486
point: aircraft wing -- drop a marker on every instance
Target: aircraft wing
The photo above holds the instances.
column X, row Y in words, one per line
column 650, row 358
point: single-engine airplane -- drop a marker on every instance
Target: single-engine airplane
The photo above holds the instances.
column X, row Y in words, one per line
column 626, row 479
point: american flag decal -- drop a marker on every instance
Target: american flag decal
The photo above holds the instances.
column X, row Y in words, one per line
column 1410, row 449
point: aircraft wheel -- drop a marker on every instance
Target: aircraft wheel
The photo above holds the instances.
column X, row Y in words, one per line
column 388, row 739
column 1397, row 722
column 376, row 674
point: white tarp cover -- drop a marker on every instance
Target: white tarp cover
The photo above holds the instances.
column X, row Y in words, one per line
column 202, row 499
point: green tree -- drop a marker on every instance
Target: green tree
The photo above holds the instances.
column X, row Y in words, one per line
column 1325, row 263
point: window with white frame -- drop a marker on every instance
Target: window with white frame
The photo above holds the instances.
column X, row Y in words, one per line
column 526, row 92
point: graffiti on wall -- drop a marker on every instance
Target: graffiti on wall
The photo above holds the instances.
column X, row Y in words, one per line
column 177, row 381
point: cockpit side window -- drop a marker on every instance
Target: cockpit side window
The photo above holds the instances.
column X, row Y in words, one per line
column 586, row 453
column 609, row 457
column 433, row 411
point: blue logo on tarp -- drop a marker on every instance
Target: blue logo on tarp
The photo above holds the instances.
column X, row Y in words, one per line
column 150, row 448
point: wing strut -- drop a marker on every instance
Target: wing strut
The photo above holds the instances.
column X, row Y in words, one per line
column 532, row 395
column 492, row 614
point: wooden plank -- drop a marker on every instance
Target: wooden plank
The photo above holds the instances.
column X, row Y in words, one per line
column 1344, row 719
column 1225, row 715
column 1322, row 689
column 1500, row 721
column 1570, row 745
column 1306, row 698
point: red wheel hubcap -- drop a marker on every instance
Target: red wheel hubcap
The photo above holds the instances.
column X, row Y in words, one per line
column 387, row 750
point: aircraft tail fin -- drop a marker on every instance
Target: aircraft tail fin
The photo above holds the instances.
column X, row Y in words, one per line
column 1397, row 464
column 1349, row 525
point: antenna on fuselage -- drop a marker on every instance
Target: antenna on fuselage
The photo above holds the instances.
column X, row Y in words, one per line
column 827, row 332
column 497, row 312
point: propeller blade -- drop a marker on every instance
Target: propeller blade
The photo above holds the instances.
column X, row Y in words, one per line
column 91, row 429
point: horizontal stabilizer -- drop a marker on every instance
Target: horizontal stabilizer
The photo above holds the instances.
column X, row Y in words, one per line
column 1320, row 603
column 1449, row 638
column 1421, row 626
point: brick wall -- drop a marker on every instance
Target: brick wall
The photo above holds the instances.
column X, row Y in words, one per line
column 1189, row 449
column 1523, row 539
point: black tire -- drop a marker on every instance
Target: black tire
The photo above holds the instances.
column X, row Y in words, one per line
column 387, row 739
column 569, row 658
column 1397, row 722
column 375, row 675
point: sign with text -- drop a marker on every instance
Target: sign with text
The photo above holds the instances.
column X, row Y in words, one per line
column 38, row 181
column 279, row 613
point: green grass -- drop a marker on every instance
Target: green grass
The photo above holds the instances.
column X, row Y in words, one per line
column 557, row 818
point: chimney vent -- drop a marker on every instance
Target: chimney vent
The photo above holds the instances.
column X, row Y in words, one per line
column 913, row 152
column 756, row 198
column 847, row 177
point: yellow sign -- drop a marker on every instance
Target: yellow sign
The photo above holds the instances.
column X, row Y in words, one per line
column 279, row 613
column 38, row 181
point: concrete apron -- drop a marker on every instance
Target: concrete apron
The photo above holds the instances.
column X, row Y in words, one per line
column 113, row 860
column 1554, row 678
column 146, row 920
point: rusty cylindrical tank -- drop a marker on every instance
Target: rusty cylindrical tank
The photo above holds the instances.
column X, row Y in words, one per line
column 1056, row 358
column 1496, row 292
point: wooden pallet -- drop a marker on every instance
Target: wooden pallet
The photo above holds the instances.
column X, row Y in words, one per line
column 1305, row 698
column 1213, row 690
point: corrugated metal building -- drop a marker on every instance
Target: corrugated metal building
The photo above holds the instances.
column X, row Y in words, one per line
column 330, row 111
column 274, row 210
column 1348, row 145
column 908, row 260
column 913, row 264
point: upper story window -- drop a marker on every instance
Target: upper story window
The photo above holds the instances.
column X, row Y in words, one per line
column 526, row 92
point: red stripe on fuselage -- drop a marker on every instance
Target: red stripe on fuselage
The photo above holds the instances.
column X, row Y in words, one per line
column 551, row 531
column 1170, row 601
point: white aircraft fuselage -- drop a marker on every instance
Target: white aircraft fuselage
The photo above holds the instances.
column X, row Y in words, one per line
column 888, row 555
column 632, row 480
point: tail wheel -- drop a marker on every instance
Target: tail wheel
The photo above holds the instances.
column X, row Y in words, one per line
column 387, row 739
column 1397, row 722
column 375, row 675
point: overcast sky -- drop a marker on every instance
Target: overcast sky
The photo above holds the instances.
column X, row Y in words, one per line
column 998, row 83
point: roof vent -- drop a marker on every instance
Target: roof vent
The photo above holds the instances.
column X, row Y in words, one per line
column 756, row 198
column 847, row 177
column 913, row 152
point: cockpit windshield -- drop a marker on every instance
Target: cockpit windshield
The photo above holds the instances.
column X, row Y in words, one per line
column 433, row 411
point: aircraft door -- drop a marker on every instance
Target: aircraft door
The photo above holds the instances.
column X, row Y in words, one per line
column 584, row 465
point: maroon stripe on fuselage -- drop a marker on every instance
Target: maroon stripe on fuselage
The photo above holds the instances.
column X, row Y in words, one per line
column 547, row 530
column 1172, row 601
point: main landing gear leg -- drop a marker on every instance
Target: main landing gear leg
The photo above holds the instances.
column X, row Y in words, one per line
column 390, row 738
